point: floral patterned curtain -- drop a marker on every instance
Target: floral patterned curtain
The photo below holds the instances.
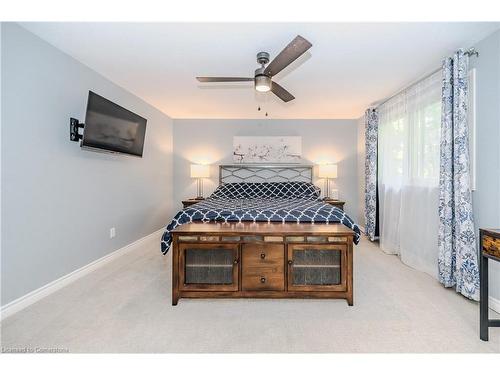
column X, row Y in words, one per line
column 371, row 143
column 457, row 255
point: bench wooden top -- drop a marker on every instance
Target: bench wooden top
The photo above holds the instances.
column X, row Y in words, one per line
column 263, row 228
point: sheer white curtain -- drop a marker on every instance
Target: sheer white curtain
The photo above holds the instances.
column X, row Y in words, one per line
column 408, row 174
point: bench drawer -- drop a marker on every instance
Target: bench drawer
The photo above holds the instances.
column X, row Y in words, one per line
column 263, row 267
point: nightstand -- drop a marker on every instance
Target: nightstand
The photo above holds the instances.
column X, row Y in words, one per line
column 189, row 202
column 335, row 202
column 490, row 250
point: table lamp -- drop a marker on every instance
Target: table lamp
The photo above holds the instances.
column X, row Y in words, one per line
column 328, row 171
column 200, row 171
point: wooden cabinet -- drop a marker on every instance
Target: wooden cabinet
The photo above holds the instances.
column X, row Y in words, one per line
column 262, row 260
column 490, row 250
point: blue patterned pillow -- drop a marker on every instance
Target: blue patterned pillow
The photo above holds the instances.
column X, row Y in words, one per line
column 239, row 190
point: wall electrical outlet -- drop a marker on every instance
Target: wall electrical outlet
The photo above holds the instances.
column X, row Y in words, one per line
column 112, row 233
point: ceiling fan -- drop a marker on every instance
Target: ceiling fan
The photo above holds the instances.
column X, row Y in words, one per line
column 263, row 75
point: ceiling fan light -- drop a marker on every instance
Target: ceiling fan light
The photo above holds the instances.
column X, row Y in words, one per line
column 262, row 83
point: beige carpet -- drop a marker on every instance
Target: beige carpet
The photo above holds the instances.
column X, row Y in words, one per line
column 125, row 307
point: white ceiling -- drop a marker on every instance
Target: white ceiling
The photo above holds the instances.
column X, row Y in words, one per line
column 350, row 65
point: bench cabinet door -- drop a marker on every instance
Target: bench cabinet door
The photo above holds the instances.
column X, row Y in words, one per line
column 208, row 267
column 317, row 267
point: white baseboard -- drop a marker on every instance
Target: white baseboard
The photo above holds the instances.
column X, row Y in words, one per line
column 42, row 292
column 494, row 304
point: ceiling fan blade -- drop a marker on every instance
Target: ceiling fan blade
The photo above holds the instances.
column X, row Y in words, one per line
column 281, row 93
column 224, row 79
column 291, row 52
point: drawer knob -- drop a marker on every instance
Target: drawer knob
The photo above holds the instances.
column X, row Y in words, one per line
column 290, row 262
column 236, row 261
column 262, row 280
column 262, row 255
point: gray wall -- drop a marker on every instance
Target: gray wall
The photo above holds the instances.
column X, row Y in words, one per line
column 58, row 201
column 211, row 141
column 486, row 198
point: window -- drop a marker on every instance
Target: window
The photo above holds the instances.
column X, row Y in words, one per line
column 408, row 160
column 409, row 135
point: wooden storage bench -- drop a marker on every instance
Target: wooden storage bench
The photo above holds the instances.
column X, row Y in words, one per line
column 262, row 260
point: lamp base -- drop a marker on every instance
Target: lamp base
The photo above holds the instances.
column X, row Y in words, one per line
column 334, row 194
column 199, row 188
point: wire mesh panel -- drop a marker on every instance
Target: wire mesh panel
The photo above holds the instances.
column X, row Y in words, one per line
column 316, row 267
column 209, row 266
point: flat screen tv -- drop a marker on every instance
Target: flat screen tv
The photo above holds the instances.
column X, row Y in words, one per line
column 112, row 128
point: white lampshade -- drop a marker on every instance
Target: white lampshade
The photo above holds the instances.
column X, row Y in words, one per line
column 327, row 171
column 200, row 171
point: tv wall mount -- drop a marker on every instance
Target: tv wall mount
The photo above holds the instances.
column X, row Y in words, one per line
column 74, row 127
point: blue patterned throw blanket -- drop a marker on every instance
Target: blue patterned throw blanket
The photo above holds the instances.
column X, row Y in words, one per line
column 267, row 202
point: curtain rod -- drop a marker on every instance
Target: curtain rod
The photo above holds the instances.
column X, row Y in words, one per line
column 470, row 52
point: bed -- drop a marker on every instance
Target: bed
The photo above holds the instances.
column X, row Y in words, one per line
column 264, row 232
